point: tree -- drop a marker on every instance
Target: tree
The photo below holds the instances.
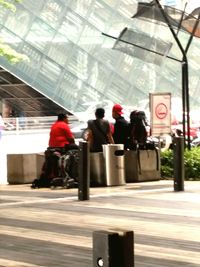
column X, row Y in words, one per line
column 5, row 50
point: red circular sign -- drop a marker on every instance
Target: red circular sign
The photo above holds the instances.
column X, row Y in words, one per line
column 161, row 111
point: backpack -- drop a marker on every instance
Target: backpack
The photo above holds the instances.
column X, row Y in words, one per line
column 138, row 132
column 60, row 166
column 138, row 117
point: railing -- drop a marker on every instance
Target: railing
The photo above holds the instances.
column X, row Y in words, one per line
column 19, row 124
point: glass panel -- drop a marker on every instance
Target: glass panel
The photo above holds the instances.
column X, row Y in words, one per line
column 81, row 7
column 34, row 6
column 109, row 57
column 69, row 96
column 126, row 64
column 136, row 44
column 30, row 68
column 10, row 38
column 87, row 96
column 3, row 12
column 127, row 8
column 19, row 22
column 52, row 12
column 90, row 39
column 99, row 77
column 117, row 89
column 71, row 26
column 60, row 49
column 50, row 70
column 48, row 77
column 78, row 64
column 111, row 3
column 40, row 35
column 100, row 15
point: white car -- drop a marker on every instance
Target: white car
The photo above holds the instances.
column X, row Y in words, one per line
column 79, row 130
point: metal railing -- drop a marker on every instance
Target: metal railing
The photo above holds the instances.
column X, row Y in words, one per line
column 19, row 124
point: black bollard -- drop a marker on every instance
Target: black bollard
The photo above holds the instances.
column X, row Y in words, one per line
column 113, row 248
column 179, row 169
column 84, row 171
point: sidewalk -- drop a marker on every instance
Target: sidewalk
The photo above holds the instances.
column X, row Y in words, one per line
column 45, row 227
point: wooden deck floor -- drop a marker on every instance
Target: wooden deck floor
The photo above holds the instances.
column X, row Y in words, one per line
column 52, row 228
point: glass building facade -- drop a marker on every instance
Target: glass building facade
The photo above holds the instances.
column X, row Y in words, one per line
column 73, row 58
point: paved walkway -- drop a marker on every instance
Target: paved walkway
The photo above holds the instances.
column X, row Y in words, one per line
column 53, row 228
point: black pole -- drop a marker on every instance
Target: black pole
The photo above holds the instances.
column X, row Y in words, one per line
column 187, row 82
column 84, row 171
column 179, row 169
column 187, row 104
column 184, row 63
column 113, row 248
column 184, row 99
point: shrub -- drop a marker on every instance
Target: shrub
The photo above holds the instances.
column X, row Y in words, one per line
column 167, row 167
column 191, row 162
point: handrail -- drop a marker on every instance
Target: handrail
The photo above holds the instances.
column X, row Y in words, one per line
column 19, row 124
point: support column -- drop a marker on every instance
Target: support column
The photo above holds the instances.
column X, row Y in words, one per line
column 179, row 169
column 84, row 171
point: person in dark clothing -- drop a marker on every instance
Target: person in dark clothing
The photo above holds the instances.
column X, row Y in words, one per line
column 138, row 132
column 99, row 131
column 121, row 126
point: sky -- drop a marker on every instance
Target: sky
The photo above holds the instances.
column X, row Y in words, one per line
column 191, row 4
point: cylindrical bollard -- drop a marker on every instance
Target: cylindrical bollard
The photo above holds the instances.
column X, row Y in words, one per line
column 84, row 171
column 114, row 164
column 113, row 248
column 179, row 169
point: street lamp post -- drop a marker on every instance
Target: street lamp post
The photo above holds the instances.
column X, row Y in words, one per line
column 185, row 75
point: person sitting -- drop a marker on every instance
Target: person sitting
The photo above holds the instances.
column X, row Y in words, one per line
column 59, row 165
column 99, row 131
column 61, row 135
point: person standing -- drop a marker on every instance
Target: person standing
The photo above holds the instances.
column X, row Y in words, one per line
column 99, row 131
column 138, row 131
column 121, row 126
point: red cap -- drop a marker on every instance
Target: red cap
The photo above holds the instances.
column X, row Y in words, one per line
column 117, row 109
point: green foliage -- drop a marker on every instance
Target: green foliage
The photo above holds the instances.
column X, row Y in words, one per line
column 191, row 162
column 167, row 168
column 5, row 50
column 8, row 5
column 10, row 54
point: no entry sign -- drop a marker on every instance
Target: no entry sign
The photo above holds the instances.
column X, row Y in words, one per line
column 161, row 111
column 160, row 108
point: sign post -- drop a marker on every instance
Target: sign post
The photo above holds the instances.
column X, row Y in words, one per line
column 160, row 107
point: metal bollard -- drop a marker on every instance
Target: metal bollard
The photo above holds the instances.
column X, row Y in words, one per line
column 84, row 171
column 179, row 169
column 113, row 248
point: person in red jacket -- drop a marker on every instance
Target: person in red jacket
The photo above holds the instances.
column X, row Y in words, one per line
column 59, row 170
column 60, row 133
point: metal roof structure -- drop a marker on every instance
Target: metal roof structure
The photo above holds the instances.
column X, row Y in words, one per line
column 24, row 98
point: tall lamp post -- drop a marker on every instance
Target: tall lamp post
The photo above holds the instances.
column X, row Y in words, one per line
column 185, row 75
